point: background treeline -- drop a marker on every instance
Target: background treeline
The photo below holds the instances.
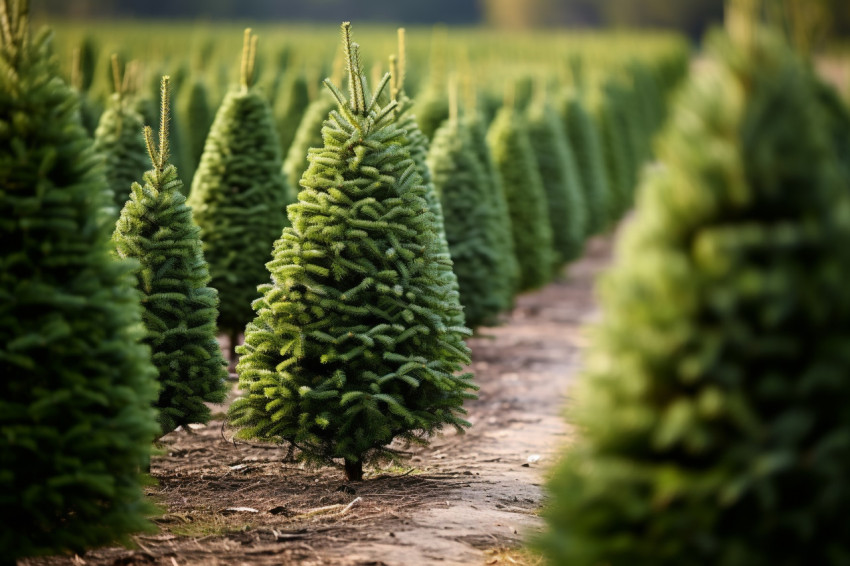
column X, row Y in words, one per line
column 691, row 17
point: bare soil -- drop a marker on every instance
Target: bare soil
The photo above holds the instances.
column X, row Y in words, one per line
column 465, row 499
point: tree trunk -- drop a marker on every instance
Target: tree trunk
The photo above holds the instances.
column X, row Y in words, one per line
column 234, row 340
column 353, row 470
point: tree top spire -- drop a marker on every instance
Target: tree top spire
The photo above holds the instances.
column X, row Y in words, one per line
column 159, row 155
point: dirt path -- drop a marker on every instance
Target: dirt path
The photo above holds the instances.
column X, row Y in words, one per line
column 458, row 502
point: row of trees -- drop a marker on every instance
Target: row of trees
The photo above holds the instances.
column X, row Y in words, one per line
column 712, row 411
column 355, row 336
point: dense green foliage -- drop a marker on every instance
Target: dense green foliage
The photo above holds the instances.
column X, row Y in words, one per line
column 526, row 198
column 77, row 385
column 194, row 106
column 561, row 182
column 584, row 137
column 308, row 134
column 472, row 222
column 506, row 275
column 353, row 344
column 713, row 410
column 118, row 139
column 179, row 310
column 238, row 199
column 292, row 100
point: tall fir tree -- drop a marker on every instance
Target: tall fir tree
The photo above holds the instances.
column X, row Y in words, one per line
column 618, row 148
column 526, row 197
column 584, row 137
column 472, row 223
column 239, row 198
column 76, row 420
column 179, row 310
column 118, row 138
column 713, row 410
column 353, row 346
column 561, row 182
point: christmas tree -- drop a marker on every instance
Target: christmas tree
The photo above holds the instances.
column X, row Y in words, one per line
column 618, row 146
column 290, row 106
column 179, row 309
column 352, row 346
column 308, row 134
column 472, row 223
column 561, row 182
column 194, row 106
column 584, row 137
column 526, row 197
column 76, row 420
column 239, row 197
column 507, row 275
column 119, row 140
column 713, row 410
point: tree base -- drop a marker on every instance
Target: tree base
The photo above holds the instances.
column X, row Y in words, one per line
column 353, row 470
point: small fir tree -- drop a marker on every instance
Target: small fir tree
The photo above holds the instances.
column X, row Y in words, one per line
column 526, row 197
column 76, row 420
column 471, row 221
column 179, row 309
column 561, row 183
column 584, row 137
column 239, row 198
column 618, row 149
column 119, row 140
column 713, row 411
column 352, row 345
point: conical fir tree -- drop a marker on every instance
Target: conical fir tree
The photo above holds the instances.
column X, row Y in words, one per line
column 713, row 411
column 308, row 134
column 584, row 137
column 507, row 276
column 239, row 198
column 156, row 229
column 530, row 228
column 290, row 107
column 561, row 182
column 118, row 139
column 472, row 223
column 194, row 105
column 76, row 420
column 352, row 345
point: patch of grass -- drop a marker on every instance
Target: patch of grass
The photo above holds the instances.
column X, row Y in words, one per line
column 394, row 470
column 513, row 556
column 190, row 525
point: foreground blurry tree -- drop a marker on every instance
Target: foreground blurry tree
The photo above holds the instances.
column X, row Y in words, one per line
column 713, row 412
column 352, row 345
column 179, row 309
column 239, row 198
column 76, row 420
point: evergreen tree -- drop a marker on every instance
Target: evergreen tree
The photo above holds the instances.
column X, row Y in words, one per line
column 418, row 145
column 238, row 199
column 194, row 107
column 179, row 310
column 561, row 183
column 713, row 410
column 471, row 221
column 507, row 275
column 119, row 140
column 584, row 137
column 618, row 149
column 289, row 108
column 308, row 134
column 352, row 345
column 431, row 110
column 76, row 420
column 526, row 197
